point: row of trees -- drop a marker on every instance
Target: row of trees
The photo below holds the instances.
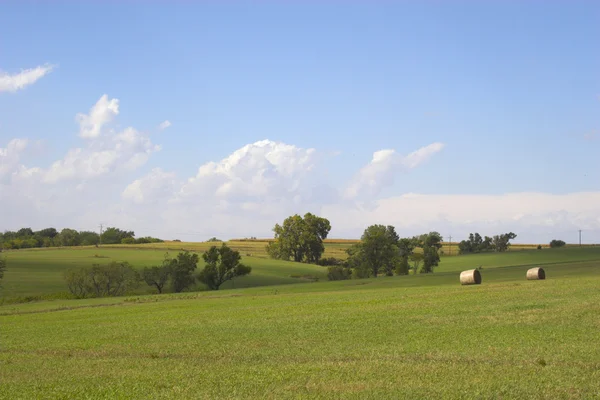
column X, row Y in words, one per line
column 27, row 238
column 380, row 251
column 118, row 278
column 477, row 244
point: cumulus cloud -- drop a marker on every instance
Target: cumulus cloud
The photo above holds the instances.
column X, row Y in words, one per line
column 101, row 113
column 18, row 81
column 164, row 125
column 385, row 164
column 263, row 168
column 257, row 185
column 156, row 186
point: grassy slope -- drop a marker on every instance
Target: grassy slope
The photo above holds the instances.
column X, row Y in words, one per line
column 39, row 272
column 35, row 272
column 401, row 337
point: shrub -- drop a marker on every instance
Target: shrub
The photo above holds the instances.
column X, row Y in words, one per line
column 329, row 261
column 338, row 273
column 114, row 279
column 539, row 247
column 128, row 240
column 557, row 243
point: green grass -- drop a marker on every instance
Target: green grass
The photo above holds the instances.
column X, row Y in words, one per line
column 40, row 272
column 423, row 336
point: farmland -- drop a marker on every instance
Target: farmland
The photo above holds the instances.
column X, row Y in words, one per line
column 391, row 337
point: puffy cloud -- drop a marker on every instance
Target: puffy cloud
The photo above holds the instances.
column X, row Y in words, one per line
column 101, row 113
column 154, row 187
column 164, row 125
column 257, row 185
column 10, row 156
column 264, row 168
column 18, row 81
column 384, row 165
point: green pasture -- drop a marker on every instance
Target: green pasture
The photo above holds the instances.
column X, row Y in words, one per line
column 39, row 272
column 422, row 336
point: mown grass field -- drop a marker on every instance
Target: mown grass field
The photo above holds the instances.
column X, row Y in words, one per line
column 38, row 273
column 422, row 336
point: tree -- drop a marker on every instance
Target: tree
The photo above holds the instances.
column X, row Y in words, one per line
column 222, row 264
column 431, row 244
column 377, row 251
column 114, row 279
column 24, row 233
column 406, row 247
column 89, row 238
column 300, row 239
column 416, row 259
column 501, row 242
column 158, row 276
column 475, row 244
column 557, row 243
column 2, row 268
column 338, row 273
column 115, row 235
column 48, row 233
column 182, row 269
column 69, row 237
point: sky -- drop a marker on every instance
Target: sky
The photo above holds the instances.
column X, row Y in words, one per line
column 193, row 119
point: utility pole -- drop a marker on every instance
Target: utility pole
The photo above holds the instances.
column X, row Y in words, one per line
column 450, row 245
column 100, row 234
column 580, row 238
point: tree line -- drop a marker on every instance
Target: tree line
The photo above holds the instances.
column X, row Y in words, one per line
column 380, row 251
column 50, row 237
column 178, row 274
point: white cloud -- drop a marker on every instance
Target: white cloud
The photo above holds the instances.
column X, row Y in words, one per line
column 384, row 165
column 247, row 192
column 263, row 168
column 154, row 187
column 164, row 125
column 18, row 81
column 101, row 113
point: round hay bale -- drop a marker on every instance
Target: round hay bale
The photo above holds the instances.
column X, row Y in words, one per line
column 470, row 277
column 536, row 273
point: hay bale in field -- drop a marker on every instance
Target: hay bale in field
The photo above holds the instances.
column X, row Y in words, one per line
column 536, row 273
column 470, row 277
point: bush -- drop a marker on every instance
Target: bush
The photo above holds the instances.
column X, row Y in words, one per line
column 128, row 240
column 338, row 273
column 539, row 247
column 114, row 279
column 330, row 261
column 557, row 243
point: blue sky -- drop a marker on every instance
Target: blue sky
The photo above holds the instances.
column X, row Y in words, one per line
column 511, row 89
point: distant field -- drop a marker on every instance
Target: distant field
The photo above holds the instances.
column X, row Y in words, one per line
column 423, row 336
column 39, row 272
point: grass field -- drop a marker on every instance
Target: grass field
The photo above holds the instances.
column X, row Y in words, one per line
column 38, row 273
column 422, row 336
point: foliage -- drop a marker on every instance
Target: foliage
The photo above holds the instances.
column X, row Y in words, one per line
column 502, row 242
column 26, row 238
column 128, row 240
column 300, row 239
column 214, row 239
column 330, row 261
column 158, row 276
column 377, row 251
column 557, row 243
column 2, row 268
column 477, row 244
column 416, row 259
column 114, row 235
column 113, row 279
column 182, row 270
column 222, row 264
column 338, row 273
column 431, row 243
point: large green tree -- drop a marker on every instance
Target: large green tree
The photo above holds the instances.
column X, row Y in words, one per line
column 182, row 270
column 69, row 237
column 115, row 235
column 377, row 252
column 158, row 276
column 300, row 239
column 222, row 264
column 431, row 243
